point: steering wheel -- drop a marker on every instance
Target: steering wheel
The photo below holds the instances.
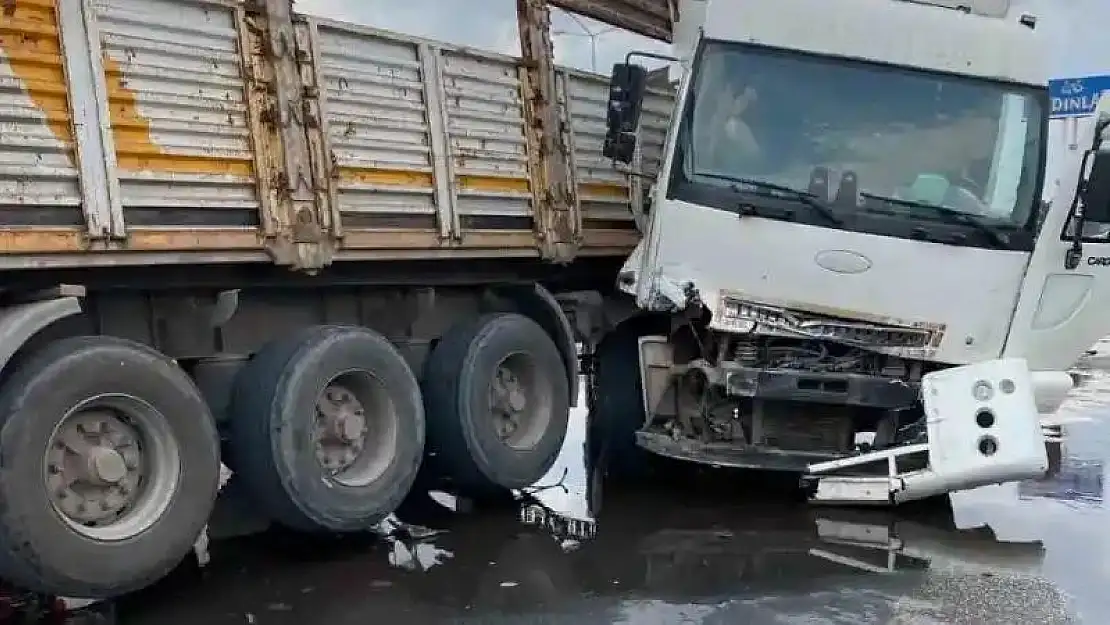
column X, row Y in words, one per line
column 967, row 183
column 940, row 190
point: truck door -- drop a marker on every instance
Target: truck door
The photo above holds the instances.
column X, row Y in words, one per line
column 1062, row 307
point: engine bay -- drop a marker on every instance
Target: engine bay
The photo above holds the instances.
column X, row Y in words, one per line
column 776, row 402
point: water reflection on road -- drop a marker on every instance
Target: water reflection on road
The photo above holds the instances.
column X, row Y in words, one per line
column 685, row 553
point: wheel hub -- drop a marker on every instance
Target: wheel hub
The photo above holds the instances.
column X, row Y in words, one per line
column 94, row 468
column 508, row 401
column 340, row 428
column 106, row 466
column 350, row 428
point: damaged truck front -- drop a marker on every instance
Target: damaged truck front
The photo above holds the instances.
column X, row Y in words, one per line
column 843, row 272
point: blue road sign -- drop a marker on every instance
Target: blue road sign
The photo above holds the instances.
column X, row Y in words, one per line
column 1076, row 97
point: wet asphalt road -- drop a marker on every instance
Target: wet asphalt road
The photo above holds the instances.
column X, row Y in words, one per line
column 706, row 549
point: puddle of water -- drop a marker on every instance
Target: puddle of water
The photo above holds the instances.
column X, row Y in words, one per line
column 686, row 553
column 664, row 557
column 1066, row 511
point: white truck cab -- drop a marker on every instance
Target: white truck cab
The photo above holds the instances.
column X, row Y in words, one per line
column 845, row 235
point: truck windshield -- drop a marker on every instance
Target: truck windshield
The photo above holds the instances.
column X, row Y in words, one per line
column 886, row 150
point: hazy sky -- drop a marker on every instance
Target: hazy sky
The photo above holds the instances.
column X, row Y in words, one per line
column 1074, row 26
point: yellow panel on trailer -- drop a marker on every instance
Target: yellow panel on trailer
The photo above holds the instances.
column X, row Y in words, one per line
column 165, row 131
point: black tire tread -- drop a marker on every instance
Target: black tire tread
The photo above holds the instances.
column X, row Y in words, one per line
column 617, row 409
column 255, row 387
column 254, row 400
column 19, row 563
column 448, row 444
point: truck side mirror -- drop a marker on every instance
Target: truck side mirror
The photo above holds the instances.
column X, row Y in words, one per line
column 626, row 98
column 1094, row 186
column 1096, row 190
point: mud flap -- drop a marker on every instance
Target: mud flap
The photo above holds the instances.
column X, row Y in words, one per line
column 983, row 428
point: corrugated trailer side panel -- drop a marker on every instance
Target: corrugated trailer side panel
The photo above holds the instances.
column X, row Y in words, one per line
column 485, row 126
column 429, row 142
column 178, row 113
column 38, row 166
column 604, row 192
column 142, row 143
column 655, row 121
column 379, row 131
column 156, row 144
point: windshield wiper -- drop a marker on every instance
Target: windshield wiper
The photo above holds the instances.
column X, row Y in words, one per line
column 951, row 216
column 810, row 200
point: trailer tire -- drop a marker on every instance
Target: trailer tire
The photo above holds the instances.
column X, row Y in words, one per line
column 464, row 441
column 132, row 427
column 327, row 429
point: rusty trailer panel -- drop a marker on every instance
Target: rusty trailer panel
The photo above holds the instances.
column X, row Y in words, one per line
column 655, row 121
column 602, row 195
column 487, row 150
column 379, row 130
column 178, row 131
column 178, row 113
column 38, row 160
column 604, row 192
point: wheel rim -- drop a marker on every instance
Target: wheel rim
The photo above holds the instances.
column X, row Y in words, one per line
column 520, row 402
column 356, row 429
column 112, row 467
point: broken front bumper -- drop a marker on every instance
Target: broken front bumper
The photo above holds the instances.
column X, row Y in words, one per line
column 983, row 427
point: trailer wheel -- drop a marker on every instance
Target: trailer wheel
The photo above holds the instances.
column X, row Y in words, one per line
column 327, row 429
column 496, row 392
column 110, row 468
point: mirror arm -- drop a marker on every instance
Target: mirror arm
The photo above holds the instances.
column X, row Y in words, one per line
column 1075, row 252
column 628, row 171
column 1100, row 127
column 649, row 55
